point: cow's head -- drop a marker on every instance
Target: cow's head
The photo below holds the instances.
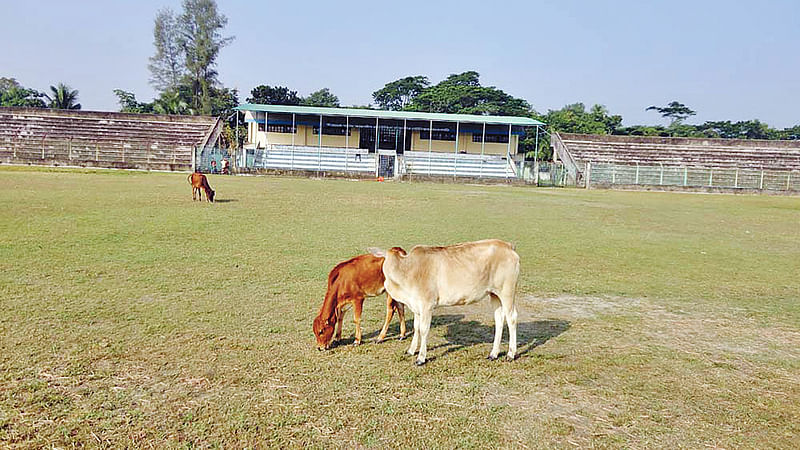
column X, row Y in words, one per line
column 398, row 251
column 323, row 332
column 211, row 195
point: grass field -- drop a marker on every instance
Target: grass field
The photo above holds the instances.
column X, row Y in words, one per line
column 131, row 316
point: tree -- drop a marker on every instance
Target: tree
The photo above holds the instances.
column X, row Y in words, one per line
column 167, row 65
column 749, row 129
column 398, row 94
column 14, row 94
column 322, row 97
column 171, row 102
column 63, row 97
column 575, row 119
column 129, row 104
column 463, row 94
column 200, row 40
column 676, row 112
column 277, row 95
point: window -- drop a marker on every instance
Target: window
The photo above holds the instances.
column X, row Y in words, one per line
column 281, row 129
column 333, row 130
column 438, row 135
column 491, row 138
column 260, row 127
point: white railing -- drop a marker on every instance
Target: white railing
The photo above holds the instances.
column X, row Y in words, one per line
column 563, row 154
column 317, row 159
column 458, row 165
column 663, row 175
column 334, row 159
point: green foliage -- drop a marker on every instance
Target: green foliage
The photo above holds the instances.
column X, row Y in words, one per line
column 201, row 40
column 398, row 94
column 14, row 94
column 277, row 95
column 167, row 66
column 575, row 119
column 676, row 112
column 171, row 102
column 129, row 104
column 62, row 97
column 322, row 97
column 749, row 129
column 463, row 94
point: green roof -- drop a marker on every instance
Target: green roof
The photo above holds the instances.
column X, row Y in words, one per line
column 398, row 115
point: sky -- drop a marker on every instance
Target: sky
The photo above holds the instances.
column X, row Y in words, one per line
column 727, row 60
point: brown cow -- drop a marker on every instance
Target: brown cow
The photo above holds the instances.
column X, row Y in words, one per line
column 199, row 181
column 350, row 282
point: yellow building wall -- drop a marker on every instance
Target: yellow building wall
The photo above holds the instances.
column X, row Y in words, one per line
column 464, row 144
column 305, row 136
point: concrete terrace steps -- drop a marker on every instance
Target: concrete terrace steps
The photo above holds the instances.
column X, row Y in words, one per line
column 102, row 139
column 722, row 153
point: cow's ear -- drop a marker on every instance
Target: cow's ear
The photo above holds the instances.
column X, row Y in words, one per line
column 377, row 252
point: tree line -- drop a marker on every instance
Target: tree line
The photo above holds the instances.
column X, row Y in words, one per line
column 187, row 44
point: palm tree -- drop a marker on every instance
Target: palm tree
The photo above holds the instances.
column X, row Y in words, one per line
column 63, row 97
column 170, row 102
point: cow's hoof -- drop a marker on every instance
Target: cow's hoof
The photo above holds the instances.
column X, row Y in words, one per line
column 511, row 357
column 491, row 357
column 378, row 341
column 356, row 343
column 401, row 338
column 419, row 363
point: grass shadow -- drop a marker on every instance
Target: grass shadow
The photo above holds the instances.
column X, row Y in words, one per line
column 225, row 200
column 462, row 334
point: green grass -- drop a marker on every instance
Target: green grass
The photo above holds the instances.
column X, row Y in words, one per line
column 131, row 316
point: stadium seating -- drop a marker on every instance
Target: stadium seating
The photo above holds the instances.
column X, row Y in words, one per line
column 103, row 139
column 706, row 153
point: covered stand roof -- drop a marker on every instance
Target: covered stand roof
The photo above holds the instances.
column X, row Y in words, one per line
column 395, row 115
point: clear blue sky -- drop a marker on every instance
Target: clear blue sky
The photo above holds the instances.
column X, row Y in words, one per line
column 727, row 60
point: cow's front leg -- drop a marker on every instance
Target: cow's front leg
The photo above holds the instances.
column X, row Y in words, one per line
column 389, row 314
column 194, row 194
column 412, row 349
column 339, row 318
column 358, row 303
column 424, row 328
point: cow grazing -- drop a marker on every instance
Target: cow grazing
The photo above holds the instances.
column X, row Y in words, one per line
column 350, row 282
column 198, row 182
column 427, row 277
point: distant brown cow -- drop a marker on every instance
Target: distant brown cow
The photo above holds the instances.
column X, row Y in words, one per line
column 199, row 181
column 350, row 282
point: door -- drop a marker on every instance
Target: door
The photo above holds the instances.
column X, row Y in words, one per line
column 386, row 164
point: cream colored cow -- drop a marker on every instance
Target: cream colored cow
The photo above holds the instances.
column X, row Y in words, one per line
column 427, row 277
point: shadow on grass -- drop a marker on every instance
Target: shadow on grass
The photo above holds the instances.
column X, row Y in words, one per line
column 225, row 200
column 461, row 334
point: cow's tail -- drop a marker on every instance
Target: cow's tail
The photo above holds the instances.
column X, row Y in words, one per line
column 189, row 178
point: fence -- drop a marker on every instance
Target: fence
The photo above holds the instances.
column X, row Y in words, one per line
column 661, row 175
column 385, row 163
column 75, row 152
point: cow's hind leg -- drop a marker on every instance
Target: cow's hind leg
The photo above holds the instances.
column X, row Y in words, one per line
column 510, row 313
column 401, row 314
column 412, row 349
column 498, row 326
column 358, row 304
column 424, row 328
